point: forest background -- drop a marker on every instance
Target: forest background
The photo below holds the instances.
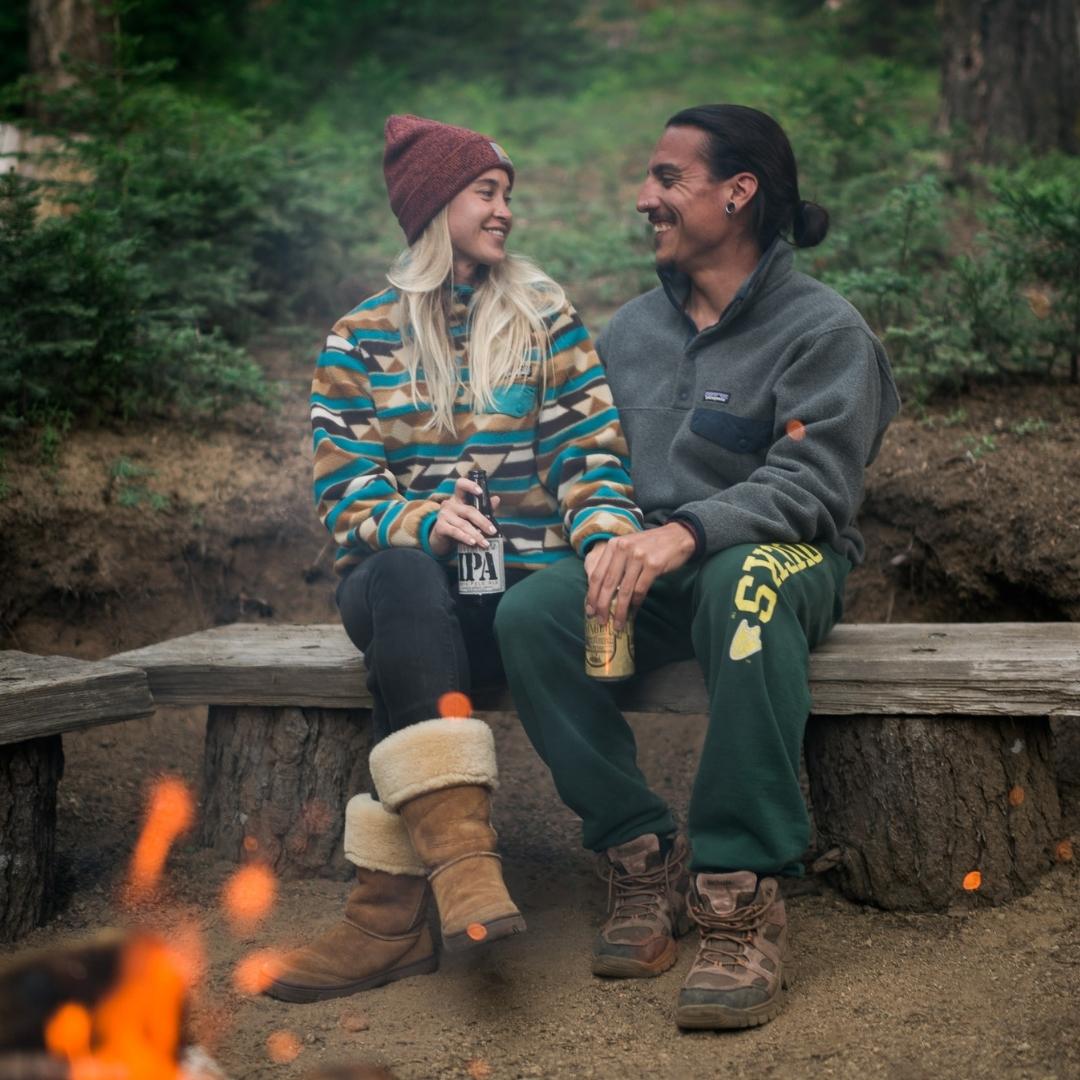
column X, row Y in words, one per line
column 218, row 168
column 192, row 193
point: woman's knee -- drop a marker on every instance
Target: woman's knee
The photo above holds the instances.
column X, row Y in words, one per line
column 405, row 578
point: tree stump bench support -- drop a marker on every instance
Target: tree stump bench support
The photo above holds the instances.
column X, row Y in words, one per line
column 929, row 752
column 41, row 697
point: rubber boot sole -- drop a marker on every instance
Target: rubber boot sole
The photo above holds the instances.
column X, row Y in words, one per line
column 477, row 934
column 715, row 1017
column 304, row 995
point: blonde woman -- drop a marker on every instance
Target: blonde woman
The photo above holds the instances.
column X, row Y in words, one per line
column 471, row 358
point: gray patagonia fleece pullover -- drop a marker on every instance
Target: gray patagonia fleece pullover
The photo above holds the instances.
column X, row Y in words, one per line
column 757, row 429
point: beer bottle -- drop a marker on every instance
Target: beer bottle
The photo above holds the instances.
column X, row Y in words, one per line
column 481, row 571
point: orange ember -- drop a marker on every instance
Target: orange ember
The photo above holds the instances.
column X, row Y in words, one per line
column 248, row 895
column 169, row 814
column 251, row 845
column 972, row 880
column 795, row 429
column 283, row 1047
column 134, row 1032
column 455, row 705
column 477, row 931
column 256, row 971
column 187, row 951
column 1016, row 795
column 479, row 1069
column 1064, row 851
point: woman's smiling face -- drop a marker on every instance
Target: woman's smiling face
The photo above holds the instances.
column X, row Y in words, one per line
column 480, row 221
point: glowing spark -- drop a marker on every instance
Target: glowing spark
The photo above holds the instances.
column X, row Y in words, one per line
column 477, row 931
column 1016, row 795
column 256, row 971
column 283, row 1047
column 186, row 949
column 169, row 814
column 479, row 1069
column 248, row 896
column 455, row 705
column 1039, row 300
column 251, row 845
column 795, row 429
column 317, row 816
column 972, row 881
column 1064, row 851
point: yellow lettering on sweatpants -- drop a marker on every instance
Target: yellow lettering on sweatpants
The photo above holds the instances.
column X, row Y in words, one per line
column 763, row 603
column 761, row 558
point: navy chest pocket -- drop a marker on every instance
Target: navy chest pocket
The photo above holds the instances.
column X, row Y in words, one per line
column 517, row 399
column 739, row 434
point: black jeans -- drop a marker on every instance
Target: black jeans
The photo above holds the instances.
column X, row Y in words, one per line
column 420, row 640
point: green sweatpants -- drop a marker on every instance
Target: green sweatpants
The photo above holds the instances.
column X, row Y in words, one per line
column 751, row 615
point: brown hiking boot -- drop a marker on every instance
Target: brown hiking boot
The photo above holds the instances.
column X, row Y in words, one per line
column 384, row 936
column 738, row 978
column 646, row 908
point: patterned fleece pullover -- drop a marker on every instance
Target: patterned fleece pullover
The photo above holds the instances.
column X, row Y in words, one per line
column 551, row 443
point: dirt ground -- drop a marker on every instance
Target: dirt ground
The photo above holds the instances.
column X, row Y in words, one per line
column 962, row 996
column 130, row 537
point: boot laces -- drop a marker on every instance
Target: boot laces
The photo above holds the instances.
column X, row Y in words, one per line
column 726, row 940
column 631, row 896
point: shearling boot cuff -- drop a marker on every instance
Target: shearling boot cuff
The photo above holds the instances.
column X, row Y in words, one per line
column 377, row 839
column 431, row 756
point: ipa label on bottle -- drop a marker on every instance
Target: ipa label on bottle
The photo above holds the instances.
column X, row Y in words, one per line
column 481, row 571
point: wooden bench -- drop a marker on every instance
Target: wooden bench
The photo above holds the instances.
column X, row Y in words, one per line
column 929, row 750
column 41, row 697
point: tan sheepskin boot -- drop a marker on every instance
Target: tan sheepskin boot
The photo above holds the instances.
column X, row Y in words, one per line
column 439, row 775
column 384, row 933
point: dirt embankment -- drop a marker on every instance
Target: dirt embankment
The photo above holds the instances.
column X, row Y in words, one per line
column 972, row 513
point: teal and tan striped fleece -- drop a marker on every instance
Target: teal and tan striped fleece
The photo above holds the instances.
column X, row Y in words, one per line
column 551, row 444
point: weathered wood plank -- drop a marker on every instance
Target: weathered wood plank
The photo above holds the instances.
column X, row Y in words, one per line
column 977, row 669
column 48, row 695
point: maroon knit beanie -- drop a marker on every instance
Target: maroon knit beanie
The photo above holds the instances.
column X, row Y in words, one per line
column 427, row 163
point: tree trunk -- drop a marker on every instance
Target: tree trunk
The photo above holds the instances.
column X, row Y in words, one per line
column 29, row 773
column 63, row 32
column 1010, row 75
column 915, row 805
column 276, row 781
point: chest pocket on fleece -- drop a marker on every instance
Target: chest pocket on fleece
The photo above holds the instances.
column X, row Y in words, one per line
column 517, row 399
column 739, row 434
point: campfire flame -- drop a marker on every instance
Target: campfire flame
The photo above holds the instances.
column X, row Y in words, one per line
column 133, row 1033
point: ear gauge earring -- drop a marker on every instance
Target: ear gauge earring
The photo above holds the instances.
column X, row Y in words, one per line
column 730, row 209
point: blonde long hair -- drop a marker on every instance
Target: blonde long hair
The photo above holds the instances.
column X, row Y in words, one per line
column 506, row 321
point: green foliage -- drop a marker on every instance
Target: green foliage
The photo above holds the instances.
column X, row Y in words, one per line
column 125, row 477
column 209, row 220
column 1035, row 236
column 84, row 331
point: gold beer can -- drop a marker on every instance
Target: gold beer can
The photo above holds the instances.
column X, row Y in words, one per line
column 609, row 654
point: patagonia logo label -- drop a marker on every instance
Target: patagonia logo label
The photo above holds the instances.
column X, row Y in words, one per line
column 720, row 396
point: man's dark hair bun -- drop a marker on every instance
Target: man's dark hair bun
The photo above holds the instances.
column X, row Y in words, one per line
column 810, row 225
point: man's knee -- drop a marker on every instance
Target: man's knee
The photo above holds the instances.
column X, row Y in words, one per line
column 548, row 595
column 748, row 579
